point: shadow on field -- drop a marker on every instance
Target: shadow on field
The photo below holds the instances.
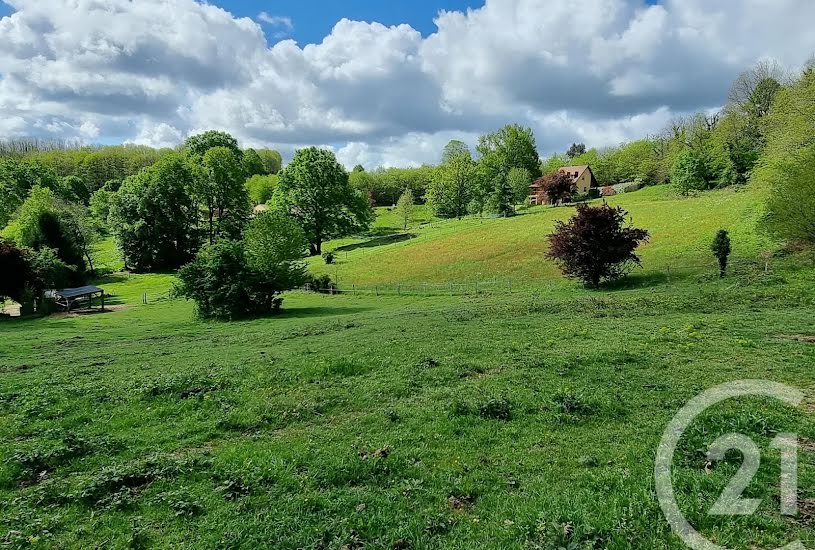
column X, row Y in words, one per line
column 636, row 280
column 325, row 311
column 377, row 241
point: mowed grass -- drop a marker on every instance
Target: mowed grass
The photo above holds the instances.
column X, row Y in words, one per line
column 471, row 249
column 518, row 421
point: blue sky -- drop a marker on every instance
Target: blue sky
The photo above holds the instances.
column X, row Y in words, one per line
column 312, row 20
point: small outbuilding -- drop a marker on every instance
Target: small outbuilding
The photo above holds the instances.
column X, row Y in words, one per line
column 68, row 298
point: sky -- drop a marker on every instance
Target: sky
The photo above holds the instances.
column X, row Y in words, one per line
column 381, row 83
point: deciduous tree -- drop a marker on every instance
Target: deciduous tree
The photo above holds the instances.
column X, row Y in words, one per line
column 314, row 188
column 596, row 244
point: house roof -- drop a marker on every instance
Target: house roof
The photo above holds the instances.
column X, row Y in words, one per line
column 578, row 169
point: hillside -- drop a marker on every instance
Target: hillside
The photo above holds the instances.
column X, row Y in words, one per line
column 462, row 251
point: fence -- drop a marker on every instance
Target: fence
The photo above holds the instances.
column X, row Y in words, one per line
column 670, row 274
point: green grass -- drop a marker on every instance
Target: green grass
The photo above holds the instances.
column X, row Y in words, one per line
column 514, row 248
column 523, row 420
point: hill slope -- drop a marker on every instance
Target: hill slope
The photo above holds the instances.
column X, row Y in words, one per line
column 451, row 250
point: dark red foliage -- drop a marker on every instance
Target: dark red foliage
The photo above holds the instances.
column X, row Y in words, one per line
column 596, row 244
column 15, row 271
column 558, row 187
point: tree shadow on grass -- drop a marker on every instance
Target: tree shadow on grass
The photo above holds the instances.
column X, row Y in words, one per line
column 377, row 241
column 321, row 311
column 636, row 281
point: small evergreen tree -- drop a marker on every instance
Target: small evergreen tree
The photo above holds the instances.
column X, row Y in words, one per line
column 721, row 249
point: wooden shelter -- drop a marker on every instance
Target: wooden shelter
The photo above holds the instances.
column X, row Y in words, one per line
column 67, row 298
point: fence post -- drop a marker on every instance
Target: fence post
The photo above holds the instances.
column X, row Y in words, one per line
column 376, row 289
column 669, row 273
column 354, row 287
column 399, row 289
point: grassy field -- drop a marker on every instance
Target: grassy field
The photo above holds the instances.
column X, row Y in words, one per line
column 462, row 251
column 508, row 420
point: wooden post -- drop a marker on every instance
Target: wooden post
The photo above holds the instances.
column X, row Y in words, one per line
column 376, row 289
column 354, row 288
column 103, row 300
column 399, row 289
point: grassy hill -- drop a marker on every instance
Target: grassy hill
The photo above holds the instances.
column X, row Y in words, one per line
column 522, row 421
column 462, row 251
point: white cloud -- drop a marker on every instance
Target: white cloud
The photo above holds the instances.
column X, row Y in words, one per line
column 599, row 71
column 276, row 20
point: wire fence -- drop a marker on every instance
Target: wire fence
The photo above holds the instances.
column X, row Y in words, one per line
column 740, row 271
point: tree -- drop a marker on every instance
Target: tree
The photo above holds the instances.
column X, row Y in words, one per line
column 688, row 173
column 512, row 146
column 252, row 164
column 519, row 180
column 791, row 204
column 154, row 218
column 275, row 245
column 558, row 187
column 576, row 150
column 453, row 149
column 232, row 279
column 218, row 281
column 272, row 161
column 314, row 188
column 55, row 233
column 596, row 244
column 16, row 273
column 198, row 145
column 404, row 208
column 450, row 191
column 221, row 190
column 76, row 188
column 502, row 199
column 721, row 249
column 261, row 188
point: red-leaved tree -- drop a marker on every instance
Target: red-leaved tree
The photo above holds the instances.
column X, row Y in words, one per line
column 558, row 187
column 596, row 244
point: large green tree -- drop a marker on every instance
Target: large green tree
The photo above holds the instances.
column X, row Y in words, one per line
column 199, row 144
column 253, row 164
column 450, row 190
column 154, row 218
column 513, row 146
column 272, row 161
column 221, row 190
column 314, row 188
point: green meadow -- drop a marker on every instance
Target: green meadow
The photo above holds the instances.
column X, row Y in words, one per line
column 524, row 419
column 443, row 251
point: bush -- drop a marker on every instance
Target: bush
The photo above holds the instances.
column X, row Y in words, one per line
column 320, row 283
column 233, row 279
column 595, row 244
column 328, row 257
